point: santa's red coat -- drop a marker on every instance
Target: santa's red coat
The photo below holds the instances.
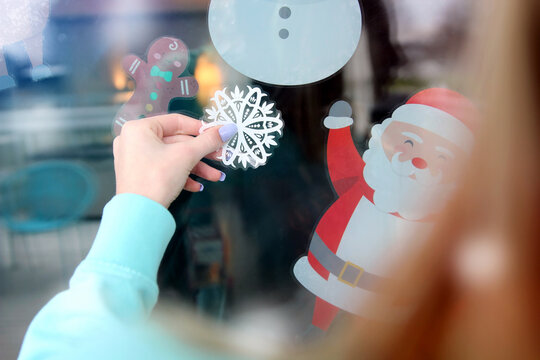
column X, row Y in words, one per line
column 346, row 169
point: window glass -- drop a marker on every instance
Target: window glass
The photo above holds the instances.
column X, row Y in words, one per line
column 72, row 72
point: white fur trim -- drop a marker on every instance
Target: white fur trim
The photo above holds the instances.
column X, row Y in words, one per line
column 436, row 121
column 334, row 122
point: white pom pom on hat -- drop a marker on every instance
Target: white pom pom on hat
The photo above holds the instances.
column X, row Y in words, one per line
column 340, row 116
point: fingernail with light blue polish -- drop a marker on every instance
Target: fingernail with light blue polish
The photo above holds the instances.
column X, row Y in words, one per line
column 202, row 188
column 223, row 177
column 226, row 132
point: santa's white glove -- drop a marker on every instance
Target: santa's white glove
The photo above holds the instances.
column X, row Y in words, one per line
column 340, row 116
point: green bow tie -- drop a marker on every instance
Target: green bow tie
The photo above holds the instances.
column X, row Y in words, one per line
column 167, row 75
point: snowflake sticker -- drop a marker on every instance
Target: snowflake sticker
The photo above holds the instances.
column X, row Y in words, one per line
column 259, row 126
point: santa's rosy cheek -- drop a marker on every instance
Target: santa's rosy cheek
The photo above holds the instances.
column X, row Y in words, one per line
column 157, row 56
column 177, row 64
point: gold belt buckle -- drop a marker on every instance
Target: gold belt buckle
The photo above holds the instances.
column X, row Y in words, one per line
column 355, row 283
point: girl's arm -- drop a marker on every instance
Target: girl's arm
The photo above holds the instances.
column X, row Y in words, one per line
column 115, row 286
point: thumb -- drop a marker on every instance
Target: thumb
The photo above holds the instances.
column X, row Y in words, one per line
column 213, row 139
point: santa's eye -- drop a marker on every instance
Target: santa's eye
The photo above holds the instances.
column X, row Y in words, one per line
column 442, row 157
column 409, row 142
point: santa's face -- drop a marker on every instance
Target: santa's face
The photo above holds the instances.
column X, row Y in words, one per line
column 419, row 149
column 411, row 170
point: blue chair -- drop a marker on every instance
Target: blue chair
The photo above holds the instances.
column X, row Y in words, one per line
column 46, row 196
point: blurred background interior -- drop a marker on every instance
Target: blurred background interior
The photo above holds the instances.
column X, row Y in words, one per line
column 236, row 242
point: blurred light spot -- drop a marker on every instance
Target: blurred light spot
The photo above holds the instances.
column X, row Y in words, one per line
column 119, row 78
column 122, row 97
column 209, row 77
column 481, row 261
column 120, row 82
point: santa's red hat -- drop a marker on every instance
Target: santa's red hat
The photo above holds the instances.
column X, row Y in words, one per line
column 443, row 112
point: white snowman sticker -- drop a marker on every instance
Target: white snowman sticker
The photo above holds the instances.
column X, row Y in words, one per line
column 286, row 42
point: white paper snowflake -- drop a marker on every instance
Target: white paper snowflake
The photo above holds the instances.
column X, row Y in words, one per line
column 259, row 126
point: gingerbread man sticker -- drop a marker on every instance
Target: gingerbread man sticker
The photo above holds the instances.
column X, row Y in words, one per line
column 157, row 81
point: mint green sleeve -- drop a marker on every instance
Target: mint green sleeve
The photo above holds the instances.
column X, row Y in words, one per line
column 111, row 292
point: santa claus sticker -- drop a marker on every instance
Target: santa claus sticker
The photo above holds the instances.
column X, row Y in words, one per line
column 386, row 199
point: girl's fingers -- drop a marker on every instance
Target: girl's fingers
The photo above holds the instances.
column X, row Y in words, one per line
column 204, row 171
column 176, row 139
column 207, row 172
column 214, row 156
column 193, row 186
column 183, row 138
column 212, row 139
column 176, row 124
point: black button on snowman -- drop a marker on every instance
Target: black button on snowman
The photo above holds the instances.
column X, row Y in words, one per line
column 285, row 13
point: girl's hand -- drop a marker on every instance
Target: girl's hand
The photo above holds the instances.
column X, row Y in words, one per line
column 154, row 156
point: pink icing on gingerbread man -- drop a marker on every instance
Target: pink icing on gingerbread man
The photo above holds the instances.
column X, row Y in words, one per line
column 157, row 81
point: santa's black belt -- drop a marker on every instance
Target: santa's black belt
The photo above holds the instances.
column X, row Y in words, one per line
column 346, row 272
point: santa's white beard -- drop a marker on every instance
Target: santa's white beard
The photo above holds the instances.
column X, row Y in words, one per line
column 395, row 191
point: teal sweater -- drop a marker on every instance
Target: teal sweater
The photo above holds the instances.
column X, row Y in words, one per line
column 112, row 292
